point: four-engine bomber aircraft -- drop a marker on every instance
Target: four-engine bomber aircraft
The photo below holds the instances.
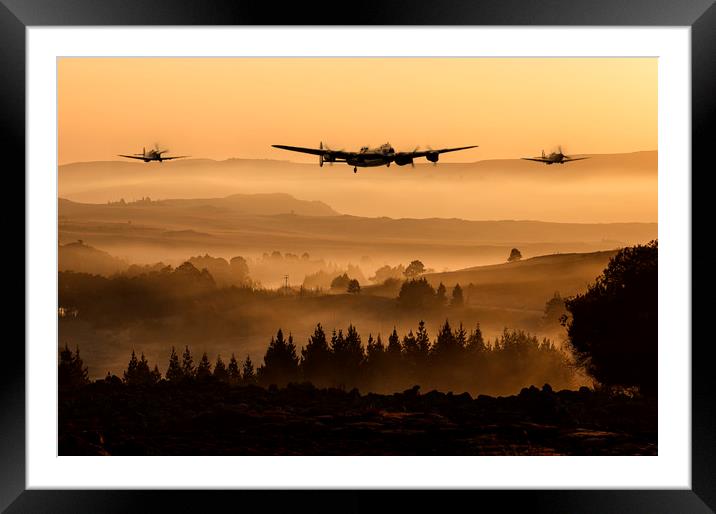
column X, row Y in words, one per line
column 554, row 158
column 369, row 157
column 154, row 154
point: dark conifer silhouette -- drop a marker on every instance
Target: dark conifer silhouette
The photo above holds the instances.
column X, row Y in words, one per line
column 350, row 360
column 475, row 342
column 220, row 372
column 445, row 343
column 316, row 358
column 138, row 372
column 280, row 362
column 441, row 294
column 457, row 299
column 155, row 375
column 72, row 371
column 248, row 375
column 554, row 309
column 130, row 375
column 174, row 370
column 187, row 365
column 422, row 339
column 375, row 351
column 233, row 372
column 203, row 370
column 144, row 374
column 394, row 349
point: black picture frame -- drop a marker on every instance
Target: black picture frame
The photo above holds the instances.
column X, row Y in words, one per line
column 17, row 15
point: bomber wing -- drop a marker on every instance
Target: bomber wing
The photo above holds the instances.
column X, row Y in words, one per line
column 316, row 151
column 175, row 157
column 423, row 153
column 132, row 157
column 569, row 159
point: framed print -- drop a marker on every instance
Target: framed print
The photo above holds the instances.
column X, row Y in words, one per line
column 267, row 250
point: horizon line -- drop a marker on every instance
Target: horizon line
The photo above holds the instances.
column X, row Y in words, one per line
column 300, row 162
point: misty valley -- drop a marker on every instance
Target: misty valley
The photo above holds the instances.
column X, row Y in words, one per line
column 265, row 311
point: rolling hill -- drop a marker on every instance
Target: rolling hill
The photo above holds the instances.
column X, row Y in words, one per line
column 528, row 283
column 604, row 188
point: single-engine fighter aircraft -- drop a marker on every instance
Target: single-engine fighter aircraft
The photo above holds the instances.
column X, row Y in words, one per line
column 154, row 154
column 554, row 158
column 369, row 157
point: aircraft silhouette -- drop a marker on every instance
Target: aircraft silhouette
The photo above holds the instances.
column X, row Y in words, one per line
column 369, row 157
column 554, row 158
column 154, row 154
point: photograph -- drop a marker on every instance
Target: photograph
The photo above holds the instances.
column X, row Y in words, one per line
column 386, row 256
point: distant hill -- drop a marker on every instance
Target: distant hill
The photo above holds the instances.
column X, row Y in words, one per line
column 80, row 257
column 528, row 283
column 244, row 225
column 604, row 188
column 261, row 204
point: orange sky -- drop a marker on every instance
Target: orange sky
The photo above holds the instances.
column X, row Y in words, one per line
column 237, row 107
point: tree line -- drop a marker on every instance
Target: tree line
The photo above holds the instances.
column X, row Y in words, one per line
column 455, row 360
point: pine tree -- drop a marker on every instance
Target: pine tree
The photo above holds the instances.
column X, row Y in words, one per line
column 460, row 338
column 315, row 357
column 156, row 376
column 144, row 374
column 445, row 341
column 441, row 294
column 422, row 339
column 71, row 371
column 79, row 370
column 220, row 372
column 393, row 356
column 410, row 344
column 411, row 355
column 475, row 343
column 131, row 374
column 292, row 353
column 203, row 370
column 174, row 371
column 457, row 298
column 354, row 355
column 248, row 374
column 337, row 342
column 280, row 362
column 233, row 371
column 374, row 351
column 187, row 365
column 394, row 348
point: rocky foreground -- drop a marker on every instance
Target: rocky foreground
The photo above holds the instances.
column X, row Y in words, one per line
column 217, row 419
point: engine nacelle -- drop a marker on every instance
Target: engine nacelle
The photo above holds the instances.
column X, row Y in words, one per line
column 402, row 160
column 433, row 157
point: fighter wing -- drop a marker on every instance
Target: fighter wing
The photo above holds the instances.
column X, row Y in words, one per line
column 569, row 159
column 536, row 159
column 131, row 157
column 175, row 157
column 423, row 153
column 315, row 151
